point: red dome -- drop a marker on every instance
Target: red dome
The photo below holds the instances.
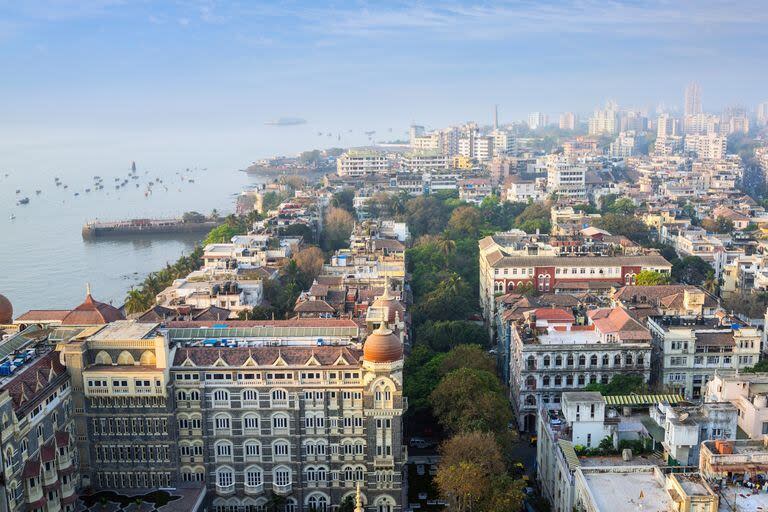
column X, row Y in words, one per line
column 6, row 310
column 382, row 346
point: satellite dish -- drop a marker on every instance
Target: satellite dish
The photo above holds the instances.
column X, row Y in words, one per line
column 684, row 416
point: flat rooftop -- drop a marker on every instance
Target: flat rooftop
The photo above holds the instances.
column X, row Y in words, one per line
column 627, row 490
column 736, row 498
column 572, row 337
column 124, row 330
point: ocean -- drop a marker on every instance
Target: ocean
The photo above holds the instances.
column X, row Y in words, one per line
column 44, row 261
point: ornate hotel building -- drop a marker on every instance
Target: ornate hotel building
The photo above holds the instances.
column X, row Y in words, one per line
column 286, row 415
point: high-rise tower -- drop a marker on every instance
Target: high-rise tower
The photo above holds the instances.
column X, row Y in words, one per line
column 693, row 99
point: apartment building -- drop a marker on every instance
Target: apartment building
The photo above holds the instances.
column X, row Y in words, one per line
column 748, row 392
column 423, row 161
column 517, row 189
column 567, row 179
column 504, row 143
column 359, row 162
column 568, row 121
column 537, row 120
column 707, row 147
column 553, row 353
column 694, row 350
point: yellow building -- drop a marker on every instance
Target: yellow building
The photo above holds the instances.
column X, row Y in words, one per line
column 462, row 162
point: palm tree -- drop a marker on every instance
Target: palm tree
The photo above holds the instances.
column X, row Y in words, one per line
column 711, row 283
column 137, row 301
column 445, row 245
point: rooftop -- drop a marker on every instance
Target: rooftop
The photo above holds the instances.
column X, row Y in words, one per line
column 125, row 330
column 627, row 489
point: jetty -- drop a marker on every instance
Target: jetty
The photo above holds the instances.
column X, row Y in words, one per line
column 140, row 227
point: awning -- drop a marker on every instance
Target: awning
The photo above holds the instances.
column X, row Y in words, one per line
column 642, row 400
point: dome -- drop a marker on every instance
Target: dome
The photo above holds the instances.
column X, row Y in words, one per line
column 391, row 304
column 6, row 310
column 382, row 346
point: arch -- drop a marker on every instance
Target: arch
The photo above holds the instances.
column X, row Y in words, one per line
column 222, row 421
column 223, row 450
column 582, row 360
column 558, row 360
column 221, row 395
column 194, row 395
column 384, row 503
column 628, row 359
column 547, row 360
column 225, row 476
column 510, row 286
column 282, row 475
column 280, row 422
column 382, row 394
column 125, row 358
column 181, row 395
column 318, row 501
column 617, row 360
column 531, row 363
column 253, row 476
column 498, row 287
column 530, row 382
column 593, row 360
column 281, row 449
column 252, row 450
column 103, row 358
column 250, row 422
column 147, row 358
column 251, row 396
column 530, row 400
column 606, row 359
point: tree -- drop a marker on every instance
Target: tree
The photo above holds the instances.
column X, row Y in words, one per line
column 623, row 206
column 338, row 227
column 471, row 475
column 718, row 225
column 444, row 335
column 535, row 217
column 137, row 301
column 426, row 215
column 222, row 234
column 310, row 261
column 651, row 278
column 449, row 300
column 468, row 399
column 618, row 224
column 344, row 199
column 621, row 384
column 465, row 222
column 760, row 367
column 690, row 270
column 467, row 356
column 348, row 505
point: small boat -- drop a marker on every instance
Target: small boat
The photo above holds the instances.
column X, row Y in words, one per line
column 191, row 181
column 66, row 186
column 18, row 191
column 77, row 194
column 13, row 216
column 23, row 200
column 87, row 190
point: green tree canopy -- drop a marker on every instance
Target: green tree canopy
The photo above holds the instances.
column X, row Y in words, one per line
column 468, row 399
column 651, row 278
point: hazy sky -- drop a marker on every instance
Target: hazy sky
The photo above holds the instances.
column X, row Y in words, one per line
column 200, row 78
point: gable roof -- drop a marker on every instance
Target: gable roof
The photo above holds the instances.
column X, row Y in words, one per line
column 32, row 382
column 92, row 312
column 268, row 356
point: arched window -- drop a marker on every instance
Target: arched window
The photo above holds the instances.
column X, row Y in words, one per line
column 290, row 506
column 530, row 400
column 222, row 422
column 282, row 475
column 281, row 450
column 194, row 395
column 628, row 359
column 640, row 360
column 606, row 359
column 569, row 380
column 581, row 380
column 582, row 360
column 225, row 477
column 593, row 379
column 250, row 398
column 221, row 398
column 530, row 382
column 349, row 474
column 570, row 360
column 250, row 423
column 280, row 423
column 279, row 398
column 384, row 504
column 547, row 360
column 593, row 360
column 103, row 358
column 317, row 502
column 252, row 450
column 558, row 380
column 498, row 287
column 617, row 360
column 181, row 395
column 147, row 358
column 531, row 364
column 125, row 358
column 253, row 476
column 382, row 396
column 510, row 286
column 558, row 360
column 360, row 474
column 545, row 381
column 223, row 451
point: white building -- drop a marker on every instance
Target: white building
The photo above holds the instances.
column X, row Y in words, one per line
column 504, row 143
column 567, row 179
column 604, row 122
column 749, row 394
column 424, row 161
column 624, row 145
column 707, row 147
column 568, row 121
column 358, row 162
column 537, row 120
column 520, row 190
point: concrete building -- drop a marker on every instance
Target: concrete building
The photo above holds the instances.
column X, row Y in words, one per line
column 694, row 350
column 749, row 394
column 551, row 353
column 423, row 161
column 567, row 179
column 706, row 147
column 517, row 189
column 762, row 114
column 537, row 120
column 624, row 146
column 692, row 99
column 357, row 162
column 504, row 143
column 604, row 121
column 568, row 121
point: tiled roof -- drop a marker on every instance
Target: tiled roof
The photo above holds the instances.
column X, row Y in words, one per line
column 92, row 312
column 720, row 339
column 552, row 314
column 618, row 321
column 62, row 438
column 314, row 306
column 669, row 295
column 267, row 356
column 212, row 313
column 31, row 468
column 41, row 315
column 48, row 451
column 30, row 382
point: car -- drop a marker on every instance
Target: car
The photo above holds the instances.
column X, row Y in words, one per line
column 420, row 470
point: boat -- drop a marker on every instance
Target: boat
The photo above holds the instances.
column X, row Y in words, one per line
column 18, row 191
column 23, row 200
column 13, row 216
column 38, row 192
column 87, row 190
column 77, row 194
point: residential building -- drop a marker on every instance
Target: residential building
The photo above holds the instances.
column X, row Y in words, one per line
column 692, row 99
column 358, row 162
column 693, row 350
column 423, row 161
column 762, row 114
column 567, row 179
column 748, row 392
column 624, row 145
column 197, row 292
column 504, row 143
column 517, row 189
column 686, row 427
column 537, row 120
column 568, row 121
column 474, row 190
column 567, row 221
column 552, row 353
column 707, row 147
column 604, row 121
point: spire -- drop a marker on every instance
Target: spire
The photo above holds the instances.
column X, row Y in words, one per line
column 358, row 501
column 88, row 297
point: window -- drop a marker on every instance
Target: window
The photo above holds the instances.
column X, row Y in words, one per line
column 546, row 360
column 252, row 450
column 279, row 422
column 765, row 427
column 251, row 397
column 225, row 477
column 250, row 422
column 545, row 381
column 280, row 449
column 606, row 359
column 222, row 422
column 593, row 360
column 558, row 380
column 582, row 360
column 253, row 476
column 317, row 503
column 223, row 449
column 569, row 380
column 282, row 476
column 558, row 360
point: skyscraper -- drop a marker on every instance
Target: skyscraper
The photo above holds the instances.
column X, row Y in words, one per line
column 693, row 99
column 567, row 121
column 762, row 114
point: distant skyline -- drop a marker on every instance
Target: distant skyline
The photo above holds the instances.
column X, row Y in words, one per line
column 100, row 79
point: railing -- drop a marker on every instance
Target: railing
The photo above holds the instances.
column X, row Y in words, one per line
column 220, row 404
column 282, row 489
column 254, row 489
column 225, row 489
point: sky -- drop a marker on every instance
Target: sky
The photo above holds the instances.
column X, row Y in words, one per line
column 93, row 81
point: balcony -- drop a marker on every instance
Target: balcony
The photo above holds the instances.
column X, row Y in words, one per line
column 282, row 490
column 254, row 489
column 225, row 489
column 220, row 404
